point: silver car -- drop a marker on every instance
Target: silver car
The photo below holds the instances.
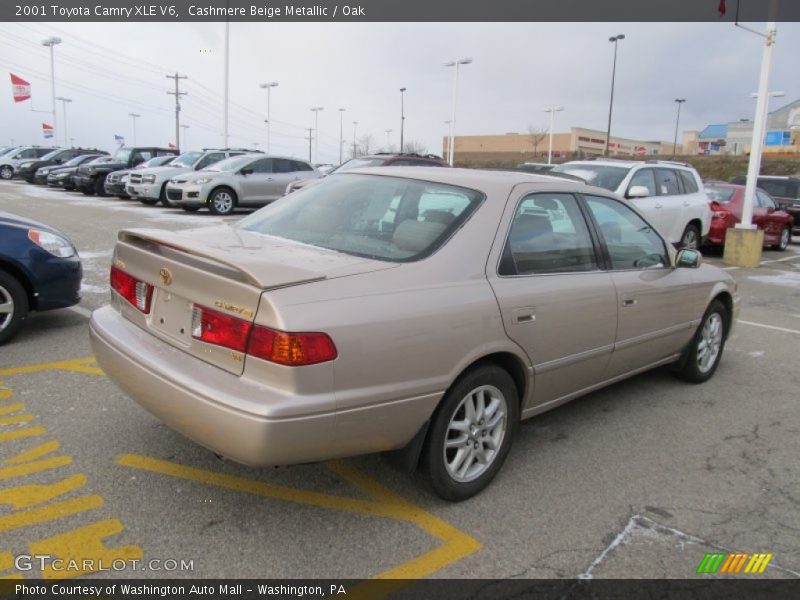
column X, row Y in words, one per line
column 424, row 310
column 252, row 180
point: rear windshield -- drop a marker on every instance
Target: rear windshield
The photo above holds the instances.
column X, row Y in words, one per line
column 720, row 194
column 356, row 163
column 603, row 176
column 384, row 218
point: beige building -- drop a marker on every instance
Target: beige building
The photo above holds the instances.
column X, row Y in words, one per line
column 527, row 147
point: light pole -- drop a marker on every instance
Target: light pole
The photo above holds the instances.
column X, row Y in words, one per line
column 402, row 116
column 64, row 102
column 316, row 110
column 388, row 140
column 51, row 42
column 185, row 143
column 679, row 101
column 226, row 83
column 447, row 137
column 552, row 110
column 456, row 64
column 268, row 87
column 355, row 124
column 615, row 39
column 341, row 133
column 134, row 116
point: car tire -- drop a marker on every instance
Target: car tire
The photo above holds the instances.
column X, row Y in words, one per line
column 460, row 433
column 14, row 306
column 786, row 239
column 701, row 357
column 100, row 187
column 162, row 198
column 222, row 201
column 690, row 238
column 190, row 208
column 6, row 172
column 148, row 201
column 87, row 191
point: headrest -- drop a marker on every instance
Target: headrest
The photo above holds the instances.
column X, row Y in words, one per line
column 416, row 236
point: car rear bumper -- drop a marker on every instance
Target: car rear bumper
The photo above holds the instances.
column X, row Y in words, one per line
column 204, row 402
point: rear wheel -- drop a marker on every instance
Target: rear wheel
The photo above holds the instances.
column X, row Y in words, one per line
column 100, row 187
column 6, row 172
column 165, row 201
column 786, row 238
column 222, row 201
column 702, row 356
column 690, row 237
column 13, row 306
column 471, row 432
column 87, row 191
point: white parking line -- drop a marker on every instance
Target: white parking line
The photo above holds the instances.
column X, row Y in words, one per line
column 784, row 329
column 774, row 260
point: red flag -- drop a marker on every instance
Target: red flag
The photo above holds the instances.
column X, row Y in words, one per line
column 171, row 146
column 20, row 88
column 721, row 8
column 47, row 130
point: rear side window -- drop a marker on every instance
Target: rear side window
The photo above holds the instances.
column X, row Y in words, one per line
column 548, row 235
column 40, row 152
column 764, row 200
column 631, row 242
column 689, row 182
column 263, row 165
column 667, row 182
column 301, row 166
column 281, row 165
column 782, row 189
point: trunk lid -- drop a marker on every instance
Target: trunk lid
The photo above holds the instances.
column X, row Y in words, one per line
column 223, row 269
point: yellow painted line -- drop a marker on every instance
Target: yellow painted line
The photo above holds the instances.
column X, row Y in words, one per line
column 6, row 564
column 19, row 470
column 384, row 503
column 19, row 434
column 10, row 408
column 25, row 496
column 80, row 365
column 51, row 512
column 5, row 393
column 34, row 453
column 15, row 419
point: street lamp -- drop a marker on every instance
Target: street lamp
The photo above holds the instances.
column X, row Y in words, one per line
column 185, row 143
column 456, row 64
column 316, row 110
column 268, row 87
column 615, row 39
column 388, row 140
column 355, row 124
column 51, row 42
column 64, row 102
column 679, row 101
column 447, row 137
column 134, row 116
column 341, row 133
column 552, row 110
column 402, row 116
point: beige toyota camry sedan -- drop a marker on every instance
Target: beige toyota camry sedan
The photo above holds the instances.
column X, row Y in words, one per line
column 424, row 312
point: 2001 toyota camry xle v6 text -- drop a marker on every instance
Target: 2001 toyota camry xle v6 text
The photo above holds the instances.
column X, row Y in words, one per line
column 426, row 311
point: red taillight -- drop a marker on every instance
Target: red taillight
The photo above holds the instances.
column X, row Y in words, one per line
column 138, row 293
column 219, row 329
column 291, row 349
column 718, row 211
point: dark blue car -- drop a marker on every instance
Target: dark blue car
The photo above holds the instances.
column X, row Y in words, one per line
column 39, row 270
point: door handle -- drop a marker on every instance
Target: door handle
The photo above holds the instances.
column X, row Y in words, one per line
column 523, row 315
column 659, row 205
column 629, row 302
column 686, row 203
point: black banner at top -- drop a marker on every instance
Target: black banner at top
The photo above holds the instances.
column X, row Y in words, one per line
column 400, row 10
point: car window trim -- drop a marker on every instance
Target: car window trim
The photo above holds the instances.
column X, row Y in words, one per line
column 599, row 257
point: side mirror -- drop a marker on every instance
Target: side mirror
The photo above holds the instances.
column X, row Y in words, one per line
column 638, row 191
column 246, row 171
column 688, row 258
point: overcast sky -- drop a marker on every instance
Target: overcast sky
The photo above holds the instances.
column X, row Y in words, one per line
column 110, row 70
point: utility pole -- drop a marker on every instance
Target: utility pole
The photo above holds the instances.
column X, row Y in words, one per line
column 402, row 116
column 679, row 101
column 268, row 87
column 309, row 138
column 51, row 42
column 134, row 116
column 552, row 110
column 341, row 134
column 451, row 144
column 177, row 93
column 355, row 124
column 316, row 110
column 64, row 102
column 614, row 40
column 226, row 79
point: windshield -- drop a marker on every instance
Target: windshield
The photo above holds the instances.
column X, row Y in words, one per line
column 100, row 159
column 78, row 160
column 7, row 150
column 229, row 164
column 720, row 194
column 157, row 161
column 187, row 159
column 50, row 155
column 122, row 155
column 384, row 218
column 603, row 176
column 355, row 163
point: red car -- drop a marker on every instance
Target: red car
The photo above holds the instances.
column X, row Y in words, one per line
column 726, row 200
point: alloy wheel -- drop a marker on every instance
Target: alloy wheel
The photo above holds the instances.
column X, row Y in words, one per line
column 6, row 308
column 710, row 343
column 223, row 202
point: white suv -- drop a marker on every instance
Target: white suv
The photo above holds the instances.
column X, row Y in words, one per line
column 671, row 194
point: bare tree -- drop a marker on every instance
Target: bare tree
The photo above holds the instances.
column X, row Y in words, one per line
column 364, row 144
column 415, row 147
column 536, row 135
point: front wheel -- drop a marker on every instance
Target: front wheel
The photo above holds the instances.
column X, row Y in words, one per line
column 690, row 237
column 786, row 238
column 701, row 358
column 471, row 433
column 222, row 201
column 6, row 172
column 13, row 306
column 100, row 187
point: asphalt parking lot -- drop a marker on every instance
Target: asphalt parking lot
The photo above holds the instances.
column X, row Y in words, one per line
column 639, row 480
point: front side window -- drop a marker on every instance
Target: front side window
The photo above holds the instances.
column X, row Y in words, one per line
column 208, row 159
column 775, row 188
column 301, row 166
column 667, row 182
column 548, row 234
column 384, row 218
column 764, row 200
column 187, row 159
column 689, row 182
column 264, row 165
column 631, row 242
column 645, row 178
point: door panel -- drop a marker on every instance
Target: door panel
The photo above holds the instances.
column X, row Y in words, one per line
column 669, row 204
column 256, row 186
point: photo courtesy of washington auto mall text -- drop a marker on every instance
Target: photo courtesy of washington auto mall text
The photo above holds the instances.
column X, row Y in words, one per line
column 382, row 299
